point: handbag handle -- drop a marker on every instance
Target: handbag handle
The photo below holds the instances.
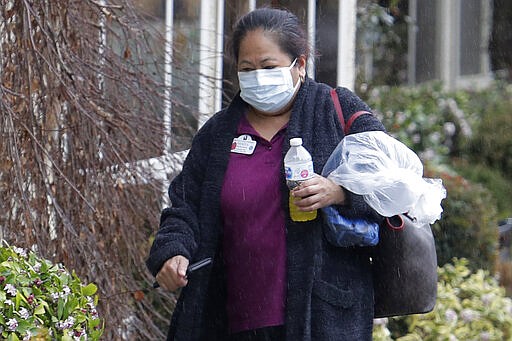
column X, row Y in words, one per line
column 337, row 106
column 395, row 223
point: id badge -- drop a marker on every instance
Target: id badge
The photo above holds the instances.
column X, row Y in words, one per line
column 243, row 144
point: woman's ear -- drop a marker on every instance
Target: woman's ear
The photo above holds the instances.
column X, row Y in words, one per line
column 302, row 64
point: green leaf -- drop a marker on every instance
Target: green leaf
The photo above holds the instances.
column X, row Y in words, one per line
column 13, row 337
column 39, row 310
column 60, row 308
column 89, row 289
column 17, row 300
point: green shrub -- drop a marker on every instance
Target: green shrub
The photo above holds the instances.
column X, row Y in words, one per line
column 493, row 180
column 41, row 300
column 432, row 122
column 468, row 225
column 470, row 306
column 491, row 143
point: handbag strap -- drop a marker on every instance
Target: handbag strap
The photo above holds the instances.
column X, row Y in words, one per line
column 337, row 106
column 395, row 223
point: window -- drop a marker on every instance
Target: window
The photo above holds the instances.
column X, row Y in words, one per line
column 426, row 50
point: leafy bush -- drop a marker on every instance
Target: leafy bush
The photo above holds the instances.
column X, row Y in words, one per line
column 432, row 122
column 42, row 300
column 468, row 225
column 492, row 179
column 470, row 306
column 491, row 143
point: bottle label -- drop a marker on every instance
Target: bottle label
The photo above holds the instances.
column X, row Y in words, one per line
column 299, row 172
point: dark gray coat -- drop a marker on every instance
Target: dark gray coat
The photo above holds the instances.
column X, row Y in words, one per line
column 330, row 290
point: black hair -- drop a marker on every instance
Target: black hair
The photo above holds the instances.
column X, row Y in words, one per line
column 281, row 24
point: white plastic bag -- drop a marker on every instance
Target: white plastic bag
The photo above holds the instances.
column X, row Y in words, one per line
column 387, row 174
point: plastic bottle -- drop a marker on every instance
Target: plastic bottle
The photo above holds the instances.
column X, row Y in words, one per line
column 298, row 167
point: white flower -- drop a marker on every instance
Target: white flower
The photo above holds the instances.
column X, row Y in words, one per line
column 9, row 302
column 37, row 267
column 468, row 315
column 65, row 291
column 20, row 251
column 428, row 154
column 12, row 324
column 95, row 314
column 416, row 138
column 449, row 128
column 27, row 336
column 10, row 289
column 485, row 336
column 24, row 313
column 450, row 315
column 435, row 137
column 90, row 303
column 400, row 117
column 465, row 127
column 70, row 321
column 55, row 296
column 508, row 306
column 488, row 298
column 67, row 324
column 411, row 128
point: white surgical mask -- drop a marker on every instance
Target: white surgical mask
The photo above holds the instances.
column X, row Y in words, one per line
column 268, row 90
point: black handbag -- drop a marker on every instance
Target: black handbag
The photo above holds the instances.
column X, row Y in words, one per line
column 404, row 262
column 404, row 265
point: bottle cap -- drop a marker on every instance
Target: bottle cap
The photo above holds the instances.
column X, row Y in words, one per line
column 296, row 141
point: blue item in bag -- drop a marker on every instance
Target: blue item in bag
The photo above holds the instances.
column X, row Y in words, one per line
column 344, row 232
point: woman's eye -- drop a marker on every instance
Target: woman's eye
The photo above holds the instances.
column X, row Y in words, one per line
column 249, row 69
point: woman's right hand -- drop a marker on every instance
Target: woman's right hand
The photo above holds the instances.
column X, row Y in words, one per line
column 172, row 275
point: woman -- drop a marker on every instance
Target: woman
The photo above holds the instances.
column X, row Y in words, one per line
column 271, row 278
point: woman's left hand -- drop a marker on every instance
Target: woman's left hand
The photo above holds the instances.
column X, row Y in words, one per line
column 318, row 192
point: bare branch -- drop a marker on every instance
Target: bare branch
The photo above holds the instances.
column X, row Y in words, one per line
column 81, row 114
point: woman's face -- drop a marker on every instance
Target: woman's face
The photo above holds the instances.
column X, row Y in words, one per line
column 259, row 51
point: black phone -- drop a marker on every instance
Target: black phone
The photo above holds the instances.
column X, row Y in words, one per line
column 198, row 265
column 191, row 268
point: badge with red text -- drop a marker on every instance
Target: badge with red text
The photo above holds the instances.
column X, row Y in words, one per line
column 243, row 144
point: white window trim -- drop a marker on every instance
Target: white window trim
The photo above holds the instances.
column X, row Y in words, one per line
column 169, row 40
column 346, row 69
column 252, row 5
column 210, row 58
column 412, row 28
column 448, row 40
column 311, row 37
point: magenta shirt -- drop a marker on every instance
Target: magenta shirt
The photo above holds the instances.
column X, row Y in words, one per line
column 254, row 242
